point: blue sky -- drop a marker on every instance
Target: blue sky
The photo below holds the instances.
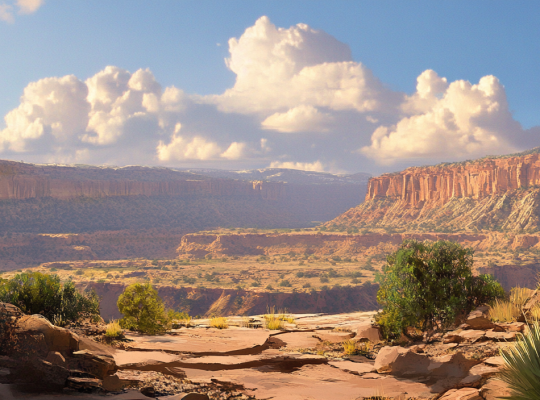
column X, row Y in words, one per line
column 184, row 45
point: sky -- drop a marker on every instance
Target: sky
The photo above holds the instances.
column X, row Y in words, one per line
column 332, row 86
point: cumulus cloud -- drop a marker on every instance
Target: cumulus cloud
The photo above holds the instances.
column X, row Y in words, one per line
column 315, row 166
column 298, row 95
column 278, row 69
column 29, row 6
column 458, row 119
column 298, row 119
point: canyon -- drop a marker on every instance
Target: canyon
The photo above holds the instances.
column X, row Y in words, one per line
column 492, row 193
column 75, row 199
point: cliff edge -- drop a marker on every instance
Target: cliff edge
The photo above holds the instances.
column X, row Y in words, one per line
column 493, row 193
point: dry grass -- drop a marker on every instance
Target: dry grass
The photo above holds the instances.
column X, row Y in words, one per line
column 219, row 323
column 349, row 347
column 113, row 330
column 519, row 296
column 352, row 347
column 503, row 311
column 510, row 310
column 534, row 313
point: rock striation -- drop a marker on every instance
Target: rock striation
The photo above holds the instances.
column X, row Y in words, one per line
column 489, row 193
column 60, row 199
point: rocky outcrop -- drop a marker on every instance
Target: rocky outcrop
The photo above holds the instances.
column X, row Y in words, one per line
column 200, row 244
column 490, row 193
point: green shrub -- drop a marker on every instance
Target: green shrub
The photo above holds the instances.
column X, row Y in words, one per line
column 37, row 293
column 427, row 285
column 142, row 309
column 522, row 362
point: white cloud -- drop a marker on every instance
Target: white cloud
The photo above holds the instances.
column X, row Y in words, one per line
column 315, row 166
column 54, row 109
column 236, row 151
column 288, row 80
column 181, row 148
column 6, row 13
column 278, row 69
column 298, row 119
column 457, row 119
column 29, row 6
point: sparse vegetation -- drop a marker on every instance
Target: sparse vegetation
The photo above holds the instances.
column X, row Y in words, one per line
column 219, row 323
column 37, row 293
column 426, row 285
column 143, row 309
column 114, row 330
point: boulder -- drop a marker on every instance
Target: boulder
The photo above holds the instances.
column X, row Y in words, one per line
column 399, row 361
column 47, row 373
column 366, row 331
column 495, row 389
column 99, row 365
column 496, row 361
column 512, row 327
column 462, row 394
column 56, row 338
column 83, row 384
column 479, row 319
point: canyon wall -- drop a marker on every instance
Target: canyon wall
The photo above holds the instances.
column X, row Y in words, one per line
column 491, row 194
column 76, row 199
column 199, row 245
column 224, row 302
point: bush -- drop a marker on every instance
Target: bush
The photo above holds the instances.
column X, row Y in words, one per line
column 37, row 293
column 426, row 286
column 143, row 309
column 523, row 365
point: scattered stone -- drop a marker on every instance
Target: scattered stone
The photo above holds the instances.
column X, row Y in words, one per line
column 495, row 389
column 496, row 361
column 472, row 335
column 479, row 319
column 148, row 391
column 462, row 394
column 353, row 367
column 333, row 337
column 491, row 334
column 83, row 384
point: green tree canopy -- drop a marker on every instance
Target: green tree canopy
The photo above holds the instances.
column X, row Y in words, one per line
column 37, row 293
column 428, row 285
column 143, row 309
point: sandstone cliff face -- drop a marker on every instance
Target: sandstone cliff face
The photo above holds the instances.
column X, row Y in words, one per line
column 204, row 301
column 60, row 199
column 497, row 193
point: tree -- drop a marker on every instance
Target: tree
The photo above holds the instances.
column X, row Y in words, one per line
column 143, row 309
column 428, row 285
column 37, row 293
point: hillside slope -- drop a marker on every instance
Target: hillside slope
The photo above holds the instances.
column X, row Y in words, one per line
column 75, row 199
column 492, row 193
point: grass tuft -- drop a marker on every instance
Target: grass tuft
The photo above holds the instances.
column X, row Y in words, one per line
column 219, row 323
column 113, row 330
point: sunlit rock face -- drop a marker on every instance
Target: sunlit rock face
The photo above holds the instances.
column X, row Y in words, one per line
column 490, row 193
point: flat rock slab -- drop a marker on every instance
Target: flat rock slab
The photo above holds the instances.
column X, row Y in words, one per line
column 298, row 340
column 313, row 382
column 353, row 367
column 333, row 337
column 333, row 321
column 13, row 392
column 135, row 358
column 204, row 341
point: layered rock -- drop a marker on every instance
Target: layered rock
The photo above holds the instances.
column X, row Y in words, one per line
column 490, row 193
column 61, row 199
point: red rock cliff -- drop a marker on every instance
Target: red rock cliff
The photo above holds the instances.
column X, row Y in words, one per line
column 490, row 193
